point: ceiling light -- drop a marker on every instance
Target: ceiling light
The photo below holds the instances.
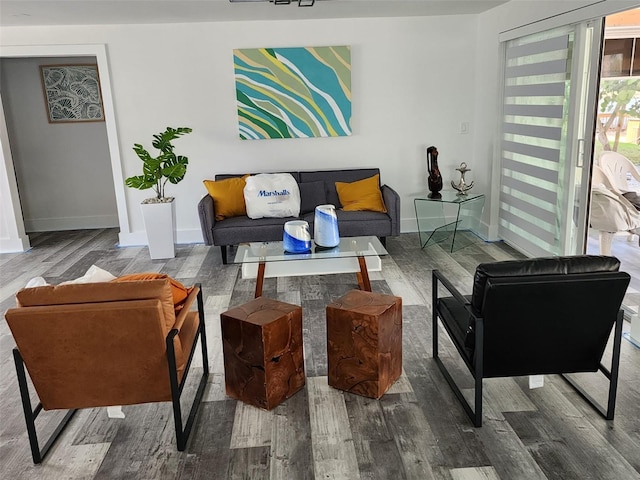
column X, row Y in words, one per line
column 301, row 3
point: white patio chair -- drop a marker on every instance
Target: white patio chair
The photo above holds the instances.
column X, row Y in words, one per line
column 610, row 211
column 618, row 168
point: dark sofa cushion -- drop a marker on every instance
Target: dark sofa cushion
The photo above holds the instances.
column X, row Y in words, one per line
column 235, row 230
column 312, row 194
column 357, row 224
column 538, row 266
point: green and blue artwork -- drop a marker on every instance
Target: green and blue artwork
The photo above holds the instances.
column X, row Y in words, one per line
column 293, row 92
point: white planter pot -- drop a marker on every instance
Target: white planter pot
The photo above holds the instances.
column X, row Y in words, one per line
column 159, row 223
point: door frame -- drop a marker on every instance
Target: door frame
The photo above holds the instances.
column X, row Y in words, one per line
column 13, row 237
column 582, row 126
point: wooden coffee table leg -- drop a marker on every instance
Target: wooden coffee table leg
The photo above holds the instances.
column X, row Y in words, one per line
column 363, row 276
column 259, row 279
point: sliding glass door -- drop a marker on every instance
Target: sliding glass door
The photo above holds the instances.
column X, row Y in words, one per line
column 548, row 118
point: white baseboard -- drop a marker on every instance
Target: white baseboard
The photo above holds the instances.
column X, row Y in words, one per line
column 14, row 245
column 409, row 225
column 136, row 239
column 70, row 223
column 190, row 236
column 132, row 239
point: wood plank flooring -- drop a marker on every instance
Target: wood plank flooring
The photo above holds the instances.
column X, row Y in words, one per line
column 418, row 430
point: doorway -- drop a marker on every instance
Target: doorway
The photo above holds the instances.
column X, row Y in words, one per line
column 12, row 232
column 62, row 169
column 618, row 130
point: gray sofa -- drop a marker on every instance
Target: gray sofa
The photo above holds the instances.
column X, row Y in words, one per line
column 316, row 188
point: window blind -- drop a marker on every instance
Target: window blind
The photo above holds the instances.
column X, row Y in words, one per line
column 534, row 125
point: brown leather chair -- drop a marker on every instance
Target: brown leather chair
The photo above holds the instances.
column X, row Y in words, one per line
column 532, row 317
column 104, row 344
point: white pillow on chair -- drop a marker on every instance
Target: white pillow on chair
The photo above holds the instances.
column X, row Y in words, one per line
column 93, row 275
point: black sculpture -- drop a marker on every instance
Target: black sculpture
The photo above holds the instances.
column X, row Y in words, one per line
column 434, row 180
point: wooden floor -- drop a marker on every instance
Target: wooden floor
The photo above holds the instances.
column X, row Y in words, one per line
column 416, row 431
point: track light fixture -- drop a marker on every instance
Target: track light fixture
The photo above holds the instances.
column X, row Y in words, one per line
column 301, row 3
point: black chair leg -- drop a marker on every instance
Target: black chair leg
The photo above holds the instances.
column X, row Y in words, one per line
column 30, row 414
column 475, row 415
column 182, row 432
column 612, row 375
column 223, row 252
column 478, row 372
column 434, row 315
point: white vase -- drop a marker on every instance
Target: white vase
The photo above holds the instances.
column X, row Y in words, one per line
column 325, row 226
column 159, row 222
column 296, row 237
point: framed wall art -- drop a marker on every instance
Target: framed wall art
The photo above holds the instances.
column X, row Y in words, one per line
column 72, row 93
column 293, row 92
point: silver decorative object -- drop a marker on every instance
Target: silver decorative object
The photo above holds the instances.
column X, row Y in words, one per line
column 462, row 186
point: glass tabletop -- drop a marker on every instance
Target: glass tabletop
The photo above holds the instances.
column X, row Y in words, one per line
column 450, row 196
column 256, row 252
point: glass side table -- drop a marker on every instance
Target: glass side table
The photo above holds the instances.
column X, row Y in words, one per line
column 441, row 220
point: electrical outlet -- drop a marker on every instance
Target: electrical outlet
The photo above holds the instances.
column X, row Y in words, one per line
column 536, row 381
column 464, row 128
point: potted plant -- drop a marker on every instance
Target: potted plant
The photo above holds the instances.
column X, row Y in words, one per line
column 159, row 212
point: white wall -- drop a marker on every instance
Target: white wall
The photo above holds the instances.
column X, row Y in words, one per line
column 412, row 83
column 63, row 170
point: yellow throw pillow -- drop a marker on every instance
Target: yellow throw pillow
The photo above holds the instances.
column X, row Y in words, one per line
column 361, row 195
column 228, row 196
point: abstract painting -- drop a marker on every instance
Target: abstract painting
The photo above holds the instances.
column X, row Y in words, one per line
column 293, row 92
column 72, row 93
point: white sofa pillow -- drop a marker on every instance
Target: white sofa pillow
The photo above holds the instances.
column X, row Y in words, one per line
column 272, row 195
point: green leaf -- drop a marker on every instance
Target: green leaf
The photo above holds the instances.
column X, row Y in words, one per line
column 174, row 173
column 140, row 182
column 167, row 166
column 141, row 152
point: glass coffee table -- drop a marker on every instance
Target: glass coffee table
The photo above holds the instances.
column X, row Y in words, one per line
column 357, row 255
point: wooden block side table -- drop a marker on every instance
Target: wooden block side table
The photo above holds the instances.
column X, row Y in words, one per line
column 364, row 342
column 263, row 352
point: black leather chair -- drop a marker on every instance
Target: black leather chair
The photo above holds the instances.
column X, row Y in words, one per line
column 532, row 317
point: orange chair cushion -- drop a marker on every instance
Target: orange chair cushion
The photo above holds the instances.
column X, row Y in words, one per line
column 178, row 290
